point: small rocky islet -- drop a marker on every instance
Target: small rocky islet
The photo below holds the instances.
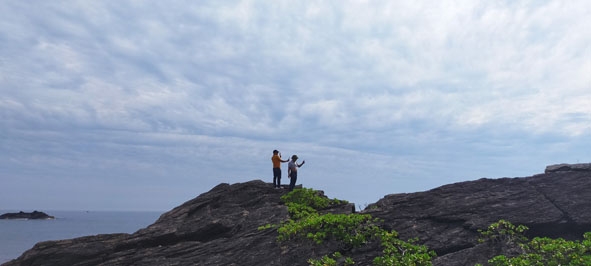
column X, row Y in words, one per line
column 35, row 215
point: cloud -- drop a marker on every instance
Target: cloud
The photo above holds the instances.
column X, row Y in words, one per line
column 414, row 89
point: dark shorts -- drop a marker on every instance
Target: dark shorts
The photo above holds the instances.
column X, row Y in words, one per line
column 277, row 172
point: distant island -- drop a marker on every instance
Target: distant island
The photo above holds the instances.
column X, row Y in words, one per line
column 35, row 215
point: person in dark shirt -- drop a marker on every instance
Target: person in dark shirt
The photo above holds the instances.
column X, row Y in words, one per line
column 292, row 171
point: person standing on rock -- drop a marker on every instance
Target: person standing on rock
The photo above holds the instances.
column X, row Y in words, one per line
column 277, row 168
column 292, row 171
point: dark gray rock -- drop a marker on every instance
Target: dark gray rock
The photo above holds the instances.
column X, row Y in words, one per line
column 447, row 218
column 568, row 167
column 220, row 227
column 35, row 215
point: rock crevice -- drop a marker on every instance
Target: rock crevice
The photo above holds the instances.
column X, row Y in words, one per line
column 565, row 216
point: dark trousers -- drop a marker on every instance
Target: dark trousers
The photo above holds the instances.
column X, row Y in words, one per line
column 277, row 177
column 292, row 182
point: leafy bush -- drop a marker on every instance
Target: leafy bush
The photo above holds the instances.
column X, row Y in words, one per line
column 311, row 198
column 505, row 232
column 350, row 230
column 353, row 230
column 546, row 251
column 540, row 251
column 299, row 211
column 330, row 260
column 398, row 252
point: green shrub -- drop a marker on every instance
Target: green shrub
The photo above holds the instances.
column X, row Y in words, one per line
column 403, row 253
column 311, row 198
column 353, row 230
column 331, row 260
column 350, row 230
column 540, row 251
column 299, row 211
column 553, row 252
column 505, row 232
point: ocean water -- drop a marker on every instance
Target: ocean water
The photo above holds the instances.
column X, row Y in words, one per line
column 17, row 236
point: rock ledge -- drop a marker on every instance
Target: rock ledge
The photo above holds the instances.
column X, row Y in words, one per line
column 584, row 167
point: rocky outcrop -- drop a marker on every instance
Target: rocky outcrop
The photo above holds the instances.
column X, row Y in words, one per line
column 556, row 204
column 220, row 227
column 584, row 167
column 35, row 215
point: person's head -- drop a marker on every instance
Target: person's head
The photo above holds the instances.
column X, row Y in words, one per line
column 294, row 157
column 275, row 151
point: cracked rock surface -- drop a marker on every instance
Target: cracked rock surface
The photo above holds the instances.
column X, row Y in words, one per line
column 555, row 204
column 220, row 227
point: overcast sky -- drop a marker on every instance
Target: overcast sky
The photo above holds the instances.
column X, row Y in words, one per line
column 143, row 105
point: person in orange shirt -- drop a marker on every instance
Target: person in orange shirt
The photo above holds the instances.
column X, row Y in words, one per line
column 277, row 168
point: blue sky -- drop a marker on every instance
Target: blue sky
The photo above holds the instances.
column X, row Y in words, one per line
column 143, row 105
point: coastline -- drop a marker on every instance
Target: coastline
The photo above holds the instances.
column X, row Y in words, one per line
column 19, row 235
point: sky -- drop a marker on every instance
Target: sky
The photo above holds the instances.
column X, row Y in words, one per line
column 144, row 105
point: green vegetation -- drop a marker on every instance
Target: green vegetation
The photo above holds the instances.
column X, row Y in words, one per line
column 330, row 260
column 398, row 252
column 355, row 230
column 349, row 230
column 505, row 232
column 311, row 198
column 540, row 251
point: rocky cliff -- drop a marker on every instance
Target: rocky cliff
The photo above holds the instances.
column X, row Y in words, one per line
column 220, row 227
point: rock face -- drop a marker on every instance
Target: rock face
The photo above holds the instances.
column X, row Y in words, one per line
column 35, row 215
column 220, row 227
column 555, row 204
column 584, row 167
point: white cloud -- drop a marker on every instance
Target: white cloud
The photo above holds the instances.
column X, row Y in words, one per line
column 510, row 49
column 397, row 83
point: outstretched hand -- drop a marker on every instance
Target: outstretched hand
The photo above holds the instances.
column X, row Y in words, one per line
column 304, row 161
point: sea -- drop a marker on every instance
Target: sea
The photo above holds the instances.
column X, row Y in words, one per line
column 18, row 236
